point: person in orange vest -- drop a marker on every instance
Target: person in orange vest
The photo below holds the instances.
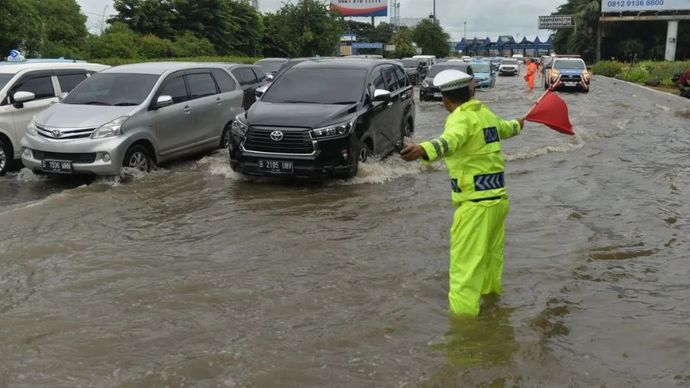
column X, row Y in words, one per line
column 531, row 73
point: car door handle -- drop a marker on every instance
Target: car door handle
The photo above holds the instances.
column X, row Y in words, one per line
column 219, row 101
column 187, row 110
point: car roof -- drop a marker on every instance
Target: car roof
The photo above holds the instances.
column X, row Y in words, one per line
column 238, row 65
column 13, row 68
column 342, row 63
column 161, row 67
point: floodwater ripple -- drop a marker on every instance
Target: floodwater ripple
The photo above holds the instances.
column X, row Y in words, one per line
column 193, row 275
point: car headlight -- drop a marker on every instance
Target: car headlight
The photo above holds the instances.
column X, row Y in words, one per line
column 585, row 74
column 334, row 130
column 425, row 84
column 31, row 128
column 111, row 129
column 555, row 73
column 239, row 126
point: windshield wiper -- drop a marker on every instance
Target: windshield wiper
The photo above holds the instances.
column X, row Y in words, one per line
column 343, row 102
column 91, row 103
column 126, row 104
column 298, row 102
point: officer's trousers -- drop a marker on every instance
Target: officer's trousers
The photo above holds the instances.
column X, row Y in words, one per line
column 476, row 253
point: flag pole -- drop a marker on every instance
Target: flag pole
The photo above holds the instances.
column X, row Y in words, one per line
column 537, row 102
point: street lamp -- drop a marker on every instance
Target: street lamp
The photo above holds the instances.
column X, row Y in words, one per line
column 103, row 18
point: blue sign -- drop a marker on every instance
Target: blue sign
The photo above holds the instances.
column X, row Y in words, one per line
column 360, row 45
column 15, row 56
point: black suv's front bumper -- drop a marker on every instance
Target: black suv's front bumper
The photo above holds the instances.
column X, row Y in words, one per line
column 332, row 158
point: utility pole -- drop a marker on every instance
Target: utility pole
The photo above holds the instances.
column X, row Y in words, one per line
column 464, row 35
column 103, row 18
column 435, row 19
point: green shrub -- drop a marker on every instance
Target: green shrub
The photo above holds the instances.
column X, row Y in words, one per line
column 223, row 59
column 607, row 68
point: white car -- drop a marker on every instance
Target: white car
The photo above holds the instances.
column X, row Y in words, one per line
column 466, row 59
column 509, row 66
column 519, row 57
column 27, row 88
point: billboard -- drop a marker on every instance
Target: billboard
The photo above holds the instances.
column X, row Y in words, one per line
column 361, row 7
column 555, row 22
column 644, row 5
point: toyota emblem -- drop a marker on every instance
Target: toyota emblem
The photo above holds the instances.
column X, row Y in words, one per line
column 56, row 133
column 277, row 135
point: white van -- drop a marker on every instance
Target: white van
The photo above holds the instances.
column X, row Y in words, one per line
column 430, row 59
column 26, row 88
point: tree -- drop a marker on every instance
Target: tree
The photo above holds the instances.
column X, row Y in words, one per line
column 20, row 27
column 232, row 27
column 152, row 47
column 190, row 45
column 276, row 41
column 431, row 38
column 313, row 28
column 403, row 43
column 118, row 41
column 64, row 28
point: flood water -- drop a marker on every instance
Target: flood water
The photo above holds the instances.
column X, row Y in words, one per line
column 195, row 276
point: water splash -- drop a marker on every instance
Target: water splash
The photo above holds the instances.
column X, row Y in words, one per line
column 27, row 176
column 577, row 143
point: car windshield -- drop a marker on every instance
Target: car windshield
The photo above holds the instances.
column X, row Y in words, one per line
column 410, row 62
column 509, row 62
column 575, row 64
column 439, row 68
column 118, row 89
column 4, row 79
column 318, row 86
column 481, row 68
column 270, row 65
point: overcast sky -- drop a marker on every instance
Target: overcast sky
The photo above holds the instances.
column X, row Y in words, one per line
column 483, row 17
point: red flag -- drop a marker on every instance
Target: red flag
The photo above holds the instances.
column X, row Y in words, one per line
column 551, row 111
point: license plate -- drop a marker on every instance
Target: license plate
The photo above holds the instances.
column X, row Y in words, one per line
column 570, row 83
column 59, row 166
column 276, row 166
column 438, row 95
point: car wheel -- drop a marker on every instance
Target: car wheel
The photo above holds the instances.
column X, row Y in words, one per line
column 407, row 130
column 138, row 157
column 5, row 157
column 225, row 137
column 364, row 153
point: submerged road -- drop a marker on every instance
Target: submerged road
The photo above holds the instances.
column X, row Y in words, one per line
column 194, row 276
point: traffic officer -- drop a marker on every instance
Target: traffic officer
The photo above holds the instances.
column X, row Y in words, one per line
column 471, row 148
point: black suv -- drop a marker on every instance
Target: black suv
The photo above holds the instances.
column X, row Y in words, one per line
column 321, row 118
column 429, row 91
column 415, row 68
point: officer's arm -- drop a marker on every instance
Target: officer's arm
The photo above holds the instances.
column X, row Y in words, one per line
column 452, row 139
column 509, row 128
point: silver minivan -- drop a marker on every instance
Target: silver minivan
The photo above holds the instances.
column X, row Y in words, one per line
column 134, row 116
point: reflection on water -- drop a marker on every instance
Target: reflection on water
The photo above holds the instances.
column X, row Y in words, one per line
column 195, row 276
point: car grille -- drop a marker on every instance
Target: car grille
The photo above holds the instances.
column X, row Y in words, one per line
column 64, row 134
column 570, row 77
column 74, row 158
column 295, row 141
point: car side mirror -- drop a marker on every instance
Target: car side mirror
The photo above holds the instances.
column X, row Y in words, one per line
column 21, row 97
column 382, row 95
column 163, row 101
